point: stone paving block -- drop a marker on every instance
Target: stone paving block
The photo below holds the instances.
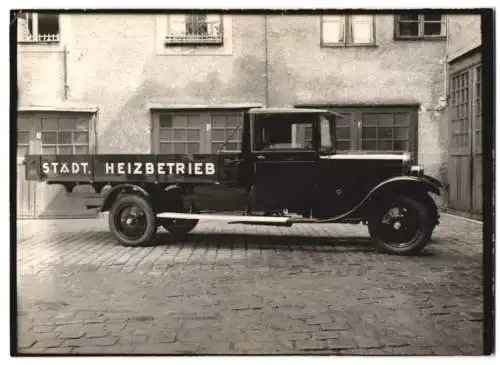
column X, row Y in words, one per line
column 367, row 342
column 311, row 345
column 42, row 328
column 25, row 343
column 69, row 332
column 59, row 350
column 48, row 343
column 102, row 341
column 324, row 335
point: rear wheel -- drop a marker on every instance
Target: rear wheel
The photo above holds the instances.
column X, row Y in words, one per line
column 132, row 220
column 402, row 225
column 178, row 226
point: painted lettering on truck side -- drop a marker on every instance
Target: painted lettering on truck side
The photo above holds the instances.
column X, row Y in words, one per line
column 132, row 168
column 73, row 168
column 161, row 168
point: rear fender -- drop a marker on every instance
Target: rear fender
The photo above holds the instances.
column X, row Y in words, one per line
column 111, row 195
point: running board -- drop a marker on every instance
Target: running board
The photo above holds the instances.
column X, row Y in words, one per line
column 227, row 218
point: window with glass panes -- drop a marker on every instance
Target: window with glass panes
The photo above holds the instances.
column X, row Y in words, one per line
column 226, row 132
column 347, row 30
column 65, row 135
column 343, row 132
column 385, row 132
column 23, row 139
column 420, row 26
column 460, row 121
column 478, row 109
column 180, row 133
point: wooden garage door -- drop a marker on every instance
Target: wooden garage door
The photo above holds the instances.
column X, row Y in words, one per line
column 65, row 134
column 465, row 158
column 192, row 132
column 53, row 133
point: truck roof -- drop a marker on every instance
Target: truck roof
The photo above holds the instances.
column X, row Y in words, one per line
column 292, row 111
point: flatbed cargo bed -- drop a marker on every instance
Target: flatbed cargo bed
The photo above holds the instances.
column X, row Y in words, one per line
column 199, row 168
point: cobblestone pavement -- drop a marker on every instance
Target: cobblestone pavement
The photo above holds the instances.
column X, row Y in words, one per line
column 232, row 289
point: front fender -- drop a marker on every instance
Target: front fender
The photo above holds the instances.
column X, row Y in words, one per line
column 433, row 181
column 402, row 183
column 410, row 185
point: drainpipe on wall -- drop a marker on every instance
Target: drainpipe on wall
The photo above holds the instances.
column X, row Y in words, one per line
column 266, row 71
column 65, row 72
column 446, row 58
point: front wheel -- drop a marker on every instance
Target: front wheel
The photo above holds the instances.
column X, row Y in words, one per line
column 402, row 225
column 132, row 220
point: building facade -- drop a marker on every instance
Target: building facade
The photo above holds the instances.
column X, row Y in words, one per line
column 178, row 83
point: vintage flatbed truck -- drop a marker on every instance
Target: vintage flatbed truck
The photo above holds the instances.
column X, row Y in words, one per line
column 287, row 171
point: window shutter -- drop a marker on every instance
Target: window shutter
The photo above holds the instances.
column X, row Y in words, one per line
column 333, row 29
column 362, row 29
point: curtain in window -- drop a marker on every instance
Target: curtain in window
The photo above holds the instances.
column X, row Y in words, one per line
column 361, row 29
column 196, row 24
column 333, row 29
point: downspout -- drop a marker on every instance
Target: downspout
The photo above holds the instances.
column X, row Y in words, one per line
column 266, row 70
column 446, row 93
column 65, row 72
column 446, row 105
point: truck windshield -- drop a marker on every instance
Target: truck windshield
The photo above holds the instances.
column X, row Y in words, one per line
column 327, row 133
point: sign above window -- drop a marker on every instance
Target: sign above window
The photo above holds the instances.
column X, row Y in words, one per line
column 194, row 29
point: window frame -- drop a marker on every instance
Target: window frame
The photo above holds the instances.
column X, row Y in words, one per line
column 206, row 122
column 187, row 39
column 237, row 131
column 473, row 68
column 421, row 32
column 35, row 37
column 312, row 149
column 348, row 32
column 74, row 145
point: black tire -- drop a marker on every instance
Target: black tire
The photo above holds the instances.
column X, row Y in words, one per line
column 132, row 220
column 178, row 226
column 406, row 233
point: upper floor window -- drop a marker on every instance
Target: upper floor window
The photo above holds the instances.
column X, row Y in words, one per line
column 420, row 26
column 348, row 30
column 194, row 29
column 38, row 27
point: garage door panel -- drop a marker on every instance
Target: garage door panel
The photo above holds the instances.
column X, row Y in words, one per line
column 465, row 164
column 63, row 134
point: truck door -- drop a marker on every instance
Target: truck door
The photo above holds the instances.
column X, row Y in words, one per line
column 285, row 161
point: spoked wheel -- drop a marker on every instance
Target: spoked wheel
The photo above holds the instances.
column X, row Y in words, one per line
column 401, row 226
column 132, row 220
